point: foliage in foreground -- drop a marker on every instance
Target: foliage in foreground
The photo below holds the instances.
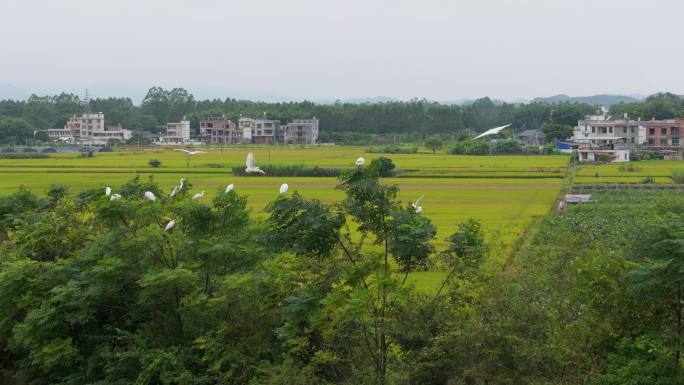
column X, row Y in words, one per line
column 109, row 291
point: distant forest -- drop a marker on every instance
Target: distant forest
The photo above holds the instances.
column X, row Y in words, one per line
column 413, row 119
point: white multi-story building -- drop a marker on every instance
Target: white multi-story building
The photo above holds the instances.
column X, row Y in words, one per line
column 87, row 129
column 177, row 132
column 603, row 130
column 301, row 131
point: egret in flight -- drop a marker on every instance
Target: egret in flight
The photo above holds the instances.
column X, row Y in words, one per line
column 415, row 206
column 360, row 161
column 114, row 197
column 189, row 153
column 283, row 188
column 170, row 225
column 491, row 131
column 198, row 195
column 149, row 196
column 230, row 188
column 108, row 191
column 251, row 165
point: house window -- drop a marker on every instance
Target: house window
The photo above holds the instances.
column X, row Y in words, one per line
column 651, row 140
column 624, row 130
column 593, row 130
column 632, row 139
column 610, row 130
column 651, row 131
column 663, row 141
column 675, row 141
column 663, row 131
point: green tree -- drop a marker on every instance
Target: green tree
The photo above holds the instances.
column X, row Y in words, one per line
column 434, row 143
column 554, row 131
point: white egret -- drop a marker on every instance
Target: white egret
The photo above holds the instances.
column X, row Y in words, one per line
column 198, row 195
column 230, row 188
column 415, row 206
column 170, row 225
column 114, row 197
column 251, row 165
column 283, row 188
column 180, row 187
column 191, row 152
column 360, row 161
column 188, row 154
column 491, row 131
column 174, row 191
column 108, row 191
column 149, row 196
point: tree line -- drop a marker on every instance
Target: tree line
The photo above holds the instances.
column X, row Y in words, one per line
column 413, row 120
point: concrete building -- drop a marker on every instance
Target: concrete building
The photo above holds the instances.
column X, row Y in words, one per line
column 664, row 133
column 603, row 130
column 177, row 132
column 260, row 131
column 219, row 129
column 595, row 154
column 301, row 131
column 87, row 129
column 531, row 138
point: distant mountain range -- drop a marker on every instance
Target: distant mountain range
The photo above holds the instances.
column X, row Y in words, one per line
column 606, row 100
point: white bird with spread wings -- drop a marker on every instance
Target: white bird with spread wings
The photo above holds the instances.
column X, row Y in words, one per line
column 195, row 152
column 189, row 154
column 419, row 209
column 491, row 131
column 251, row 165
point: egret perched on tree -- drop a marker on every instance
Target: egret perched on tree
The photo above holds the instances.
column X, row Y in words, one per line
column 360, row 161
column 491, row 131
column 230, row 188
column 149, row 196
column 170, row 225
column 283, row 188
column 251, row 165
column 108, row 191
column 415, row 206
column 188, row 154
column 198, row 195
column 174, row 191
column 114, row 197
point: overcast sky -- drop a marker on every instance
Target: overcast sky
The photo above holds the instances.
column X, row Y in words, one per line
column 325, row 49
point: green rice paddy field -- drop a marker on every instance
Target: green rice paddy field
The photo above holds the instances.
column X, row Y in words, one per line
column 632, row 172
column 506, row 193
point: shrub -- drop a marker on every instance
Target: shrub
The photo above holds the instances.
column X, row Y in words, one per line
column 154, row 163
column 648, row 180
column 603, row 158
column 507, row 147
column 392, row 149
column 629, row 167
column 291, row 170
column 385, row 166
column 482, row 147
column 88, row 154
column 678, row 176
column 23, row 155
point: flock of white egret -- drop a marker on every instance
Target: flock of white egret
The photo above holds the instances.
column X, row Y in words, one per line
column 251, row 168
